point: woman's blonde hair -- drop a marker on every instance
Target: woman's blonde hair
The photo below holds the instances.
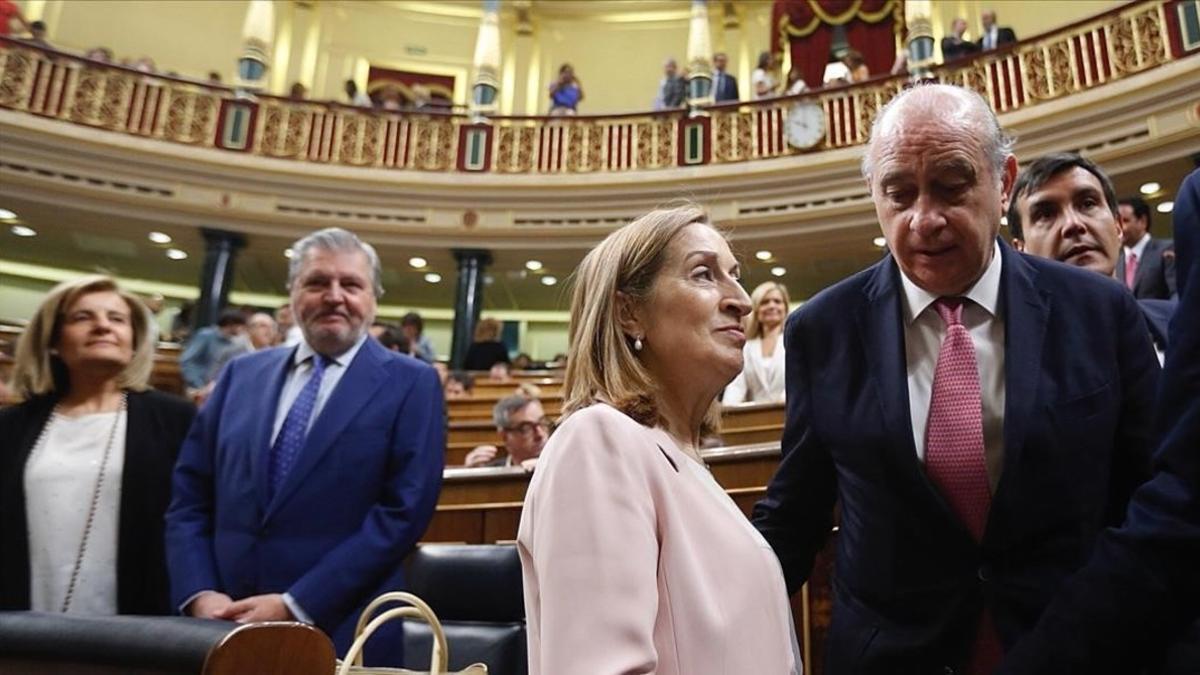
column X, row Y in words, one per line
column 488, row 330
column 37, row 369
column 754, row 330
column 603, row 365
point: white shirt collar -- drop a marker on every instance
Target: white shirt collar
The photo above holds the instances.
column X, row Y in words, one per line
column 305, row 352
column 1139, row 248
column 985, row 292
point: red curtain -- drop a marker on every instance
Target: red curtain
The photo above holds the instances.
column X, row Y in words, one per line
column 806, row 27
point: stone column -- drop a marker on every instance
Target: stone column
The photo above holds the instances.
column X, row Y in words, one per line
column 468, row 301
column 917, row 15
column 487, row 61
column 220, row 252
column 258, row 32
column 699, row 55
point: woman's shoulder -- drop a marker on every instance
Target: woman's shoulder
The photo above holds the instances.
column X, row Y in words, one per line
column 601, row 417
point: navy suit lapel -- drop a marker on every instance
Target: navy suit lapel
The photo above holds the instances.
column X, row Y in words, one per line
column 277, row 370
column 881, row 326
column 356, row 388
column 1026, row 309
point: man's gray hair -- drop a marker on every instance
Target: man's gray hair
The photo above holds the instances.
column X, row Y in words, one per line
column 507, row 407
column 339, row 240
column 997, row 143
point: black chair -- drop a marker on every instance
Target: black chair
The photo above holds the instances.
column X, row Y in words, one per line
column 476, row 593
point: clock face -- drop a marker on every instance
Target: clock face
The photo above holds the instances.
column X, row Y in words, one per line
column 805, row 125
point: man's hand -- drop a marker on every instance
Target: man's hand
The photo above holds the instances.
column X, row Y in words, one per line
column 481, row 455
column 257, row 608
column 209, row 605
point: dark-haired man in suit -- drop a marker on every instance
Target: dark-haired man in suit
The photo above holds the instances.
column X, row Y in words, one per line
column 725, row 86
column 980, row 415
column 1147, row 266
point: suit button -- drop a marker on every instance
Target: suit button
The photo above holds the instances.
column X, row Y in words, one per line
column 984, row 573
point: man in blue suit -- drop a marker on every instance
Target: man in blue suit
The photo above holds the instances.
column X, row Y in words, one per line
column 311, row 471
column 979, row 414
column 725, row 86
column 1141, row 584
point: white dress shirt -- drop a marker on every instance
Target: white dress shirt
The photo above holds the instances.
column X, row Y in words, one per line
column 60, row 479
column 923, row 334
column 990, row 36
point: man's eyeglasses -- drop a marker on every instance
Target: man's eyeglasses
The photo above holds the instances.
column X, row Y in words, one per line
column 526, row 428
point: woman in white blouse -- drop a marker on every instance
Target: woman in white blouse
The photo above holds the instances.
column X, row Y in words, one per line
column 86, row 458
column 634, row 559
column 761, row 379
column 763, row 80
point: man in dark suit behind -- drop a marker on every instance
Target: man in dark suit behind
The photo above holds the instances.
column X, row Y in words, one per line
column 1141, row 583
column 979, row 414
column 311, row 471
column 954, row 46
column 725, row 86
column 994, row 36
column 1147, row 265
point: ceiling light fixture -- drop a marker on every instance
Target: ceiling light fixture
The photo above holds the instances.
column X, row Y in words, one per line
column 763, row 255
column 159, row 237
column 176, row 254
column 417, row 262
column 1149, row 188
column 1165, row 207
column 549, row 280
column 879, row 242
column 288, row 253
column 533, row 265
column 22, row 231
column 433, row 277
column 778, row 271
column 5, row 214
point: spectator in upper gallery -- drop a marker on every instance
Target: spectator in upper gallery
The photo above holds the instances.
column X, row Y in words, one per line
column 144, row 64
column 37, row 33
column 763, row 80
column 206, row 344
column 86, row 458
column 1064, row 208
column 389, row 98
column 298, row 92
column 1148, row 265
column 414, row 328
column 954, row 45
column 761, row 379
column 796, row 83
column 994, row 36
column 566, row 92
column 487, row 349
column 725, row 86
column 672, row 89
column 101, row 54
column 356, row 97
column 289, row 333
column 459, row 384
column 10, row 13
column 856, row 65
column 214, row 77
column 523, row 429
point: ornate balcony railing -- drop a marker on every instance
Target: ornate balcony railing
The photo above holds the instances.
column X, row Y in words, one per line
column 44, row 82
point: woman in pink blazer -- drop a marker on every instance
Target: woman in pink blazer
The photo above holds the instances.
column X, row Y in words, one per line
column 634, row 558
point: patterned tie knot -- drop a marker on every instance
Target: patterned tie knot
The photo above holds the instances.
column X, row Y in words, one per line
column 950, row 309
column 320, row 361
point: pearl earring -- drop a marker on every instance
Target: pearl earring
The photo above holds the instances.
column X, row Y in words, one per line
column 637, row 344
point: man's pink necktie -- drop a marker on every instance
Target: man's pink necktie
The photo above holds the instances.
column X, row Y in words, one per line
column 954, row 450
column 1131, row 264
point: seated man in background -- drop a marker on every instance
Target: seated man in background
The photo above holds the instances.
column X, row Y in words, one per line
column 393, row 339
column 523, row 428
column 1064, row 208
column 261, row 332
column 202, row 349
column 459, row 384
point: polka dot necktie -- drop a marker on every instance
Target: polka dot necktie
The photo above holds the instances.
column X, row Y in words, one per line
column 295, row 426
column 954, row 452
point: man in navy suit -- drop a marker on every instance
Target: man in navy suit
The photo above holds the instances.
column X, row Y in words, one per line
column 979, row 414
column 313, row 470
column 1141, row 584
column 1147, row 265
column 725, row 86
column 1064, row 208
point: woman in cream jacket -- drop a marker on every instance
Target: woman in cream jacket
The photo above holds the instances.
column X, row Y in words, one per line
column 761, row 379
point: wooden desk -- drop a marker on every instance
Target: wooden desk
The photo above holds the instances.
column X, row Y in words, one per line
column 480, row 407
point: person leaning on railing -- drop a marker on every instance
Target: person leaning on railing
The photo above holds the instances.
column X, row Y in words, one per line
column 86, row 458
